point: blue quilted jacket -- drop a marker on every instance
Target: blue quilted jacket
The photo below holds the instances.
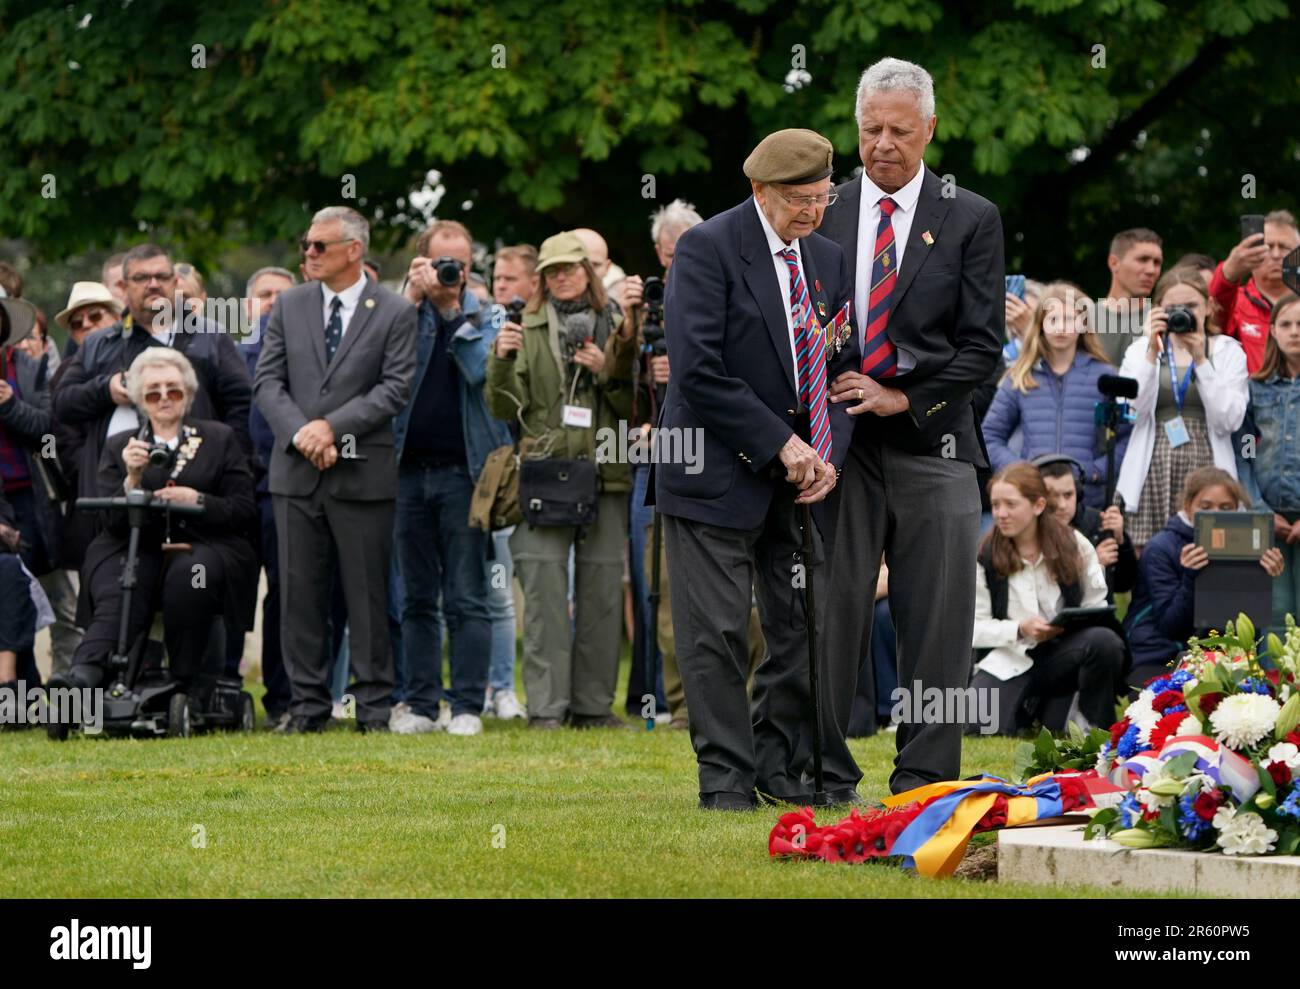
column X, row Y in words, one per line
column 1056, row 417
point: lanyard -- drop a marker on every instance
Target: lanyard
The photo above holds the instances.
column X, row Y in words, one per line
column 1180, row 393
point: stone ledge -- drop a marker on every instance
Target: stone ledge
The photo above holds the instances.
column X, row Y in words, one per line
column 1056, row 856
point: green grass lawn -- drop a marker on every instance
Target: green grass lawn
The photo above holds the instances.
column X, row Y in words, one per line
column 599, row 813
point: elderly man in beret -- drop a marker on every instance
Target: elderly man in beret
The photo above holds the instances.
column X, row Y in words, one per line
column 757, row 325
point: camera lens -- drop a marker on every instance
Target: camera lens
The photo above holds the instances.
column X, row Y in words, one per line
column 1179, row 319
column 448, row 271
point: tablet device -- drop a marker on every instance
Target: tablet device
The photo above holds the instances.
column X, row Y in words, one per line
column 1073, row 617
column 1234, row 535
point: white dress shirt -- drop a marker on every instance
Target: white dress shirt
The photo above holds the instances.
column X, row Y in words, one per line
column 868, row 220
column 775, row 246
column 1031, row 591
column 351, row 296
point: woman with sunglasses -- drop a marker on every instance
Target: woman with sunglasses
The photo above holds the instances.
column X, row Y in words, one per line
column 210, row 568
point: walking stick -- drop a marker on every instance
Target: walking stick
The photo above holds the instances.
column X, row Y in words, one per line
column 802, row 430
column 653, row 651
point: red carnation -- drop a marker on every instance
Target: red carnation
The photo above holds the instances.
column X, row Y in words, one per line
column 1272, row 676
column 1167, row 699
column 1209, row 702
column 1117, row 731
column 1207, row 802
column 1281, row 775
column 1294, row 737
column 995, row 816
column 1165, row 728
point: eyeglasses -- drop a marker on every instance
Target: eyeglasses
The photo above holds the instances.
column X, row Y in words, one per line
column 154, row 397
column 144, row 278
column 320, row 246
column 809, row 202
column 562, row 269
column 87, row 317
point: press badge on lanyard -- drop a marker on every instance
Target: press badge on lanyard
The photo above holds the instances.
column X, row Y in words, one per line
column 1176, row 428
column 577, row 416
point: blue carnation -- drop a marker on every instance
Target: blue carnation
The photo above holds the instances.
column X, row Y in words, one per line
column 1130, row 811
column 1189, row 822
column 1253, row 685
column 1291, row 805
column 1128, row 743
column 1180, row 678
column 1175, row 709
column 1159, row 686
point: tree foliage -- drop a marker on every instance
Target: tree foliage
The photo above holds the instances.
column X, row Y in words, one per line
column 545, row 116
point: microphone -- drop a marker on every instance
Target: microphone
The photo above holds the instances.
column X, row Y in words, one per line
column 1115, row 386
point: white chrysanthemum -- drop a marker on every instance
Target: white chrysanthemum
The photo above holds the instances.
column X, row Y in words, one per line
column 1190, row 725
column 1142, row 714
column 1241, row 720
column 1246, row 834
column 1202, row 782
column 1285, row 752
column 1223, row 817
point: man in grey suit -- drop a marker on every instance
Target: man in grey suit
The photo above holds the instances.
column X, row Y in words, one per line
column 928, row 273
column 336, row 367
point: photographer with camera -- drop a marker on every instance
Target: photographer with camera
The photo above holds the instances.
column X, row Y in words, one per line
column 1248, row 283
column 1160, row 617
column 194, row 569
column 645, row 308
column 565, row 374
column 1062, row 476
column 1192, row 393
column 441, row 440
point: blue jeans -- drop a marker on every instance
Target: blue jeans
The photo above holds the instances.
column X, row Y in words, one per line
column 642, row 518
column 440, row 552
column 501, row 610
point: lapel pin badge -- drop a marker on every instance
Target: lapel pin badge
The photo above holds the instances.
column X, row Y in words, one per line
column 370, row 303
column 821, row 308
column 929, row 241
column 817, row 285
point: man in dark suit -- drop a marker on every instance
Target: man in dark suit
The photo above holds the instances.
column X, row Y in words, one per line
column 752, row 292
column 336, row 367
column 929, row 300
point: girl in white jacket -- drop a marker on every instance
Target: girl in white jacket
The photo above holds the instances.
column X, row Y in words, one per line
column 1192, row 393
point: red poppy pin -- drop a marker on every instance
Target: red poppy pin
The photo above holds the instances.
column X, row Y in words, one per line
column 817, row 285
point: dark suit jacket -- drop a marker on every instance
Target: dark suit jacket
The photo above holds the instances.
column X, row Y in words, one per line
column 218, row 469
column 732, row 372
column 947, row 317
column 359, row 392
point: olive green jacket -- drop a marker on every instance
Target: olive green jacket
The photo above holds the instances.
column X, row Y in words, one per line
column 532, row 390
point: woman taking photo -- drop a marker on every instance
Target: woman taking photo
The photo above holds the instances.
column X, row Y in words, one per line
column 566, row 374
column 1191, row 399
column 1031, row 566
column 1160, row 617
column 205, row 466
column 1273, row 475
column 1050, row 391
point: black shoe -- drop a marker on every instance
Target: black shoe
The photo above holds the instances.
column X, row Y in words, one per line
column 844, row 795
column 797, row 799
column 302, row 725
column 610, row 720
column 545, row 724
column 728, row 800
column 276, row 722
column 377, row 726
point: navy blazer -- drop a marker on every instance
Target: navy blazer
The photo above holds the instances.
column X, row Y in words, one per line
column 946, row 320
column 732, row 373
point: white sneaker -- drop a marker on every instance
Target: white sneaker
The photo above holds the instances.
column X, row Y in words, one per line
column 401, row 707
column 465, row 724
column 337, row 711
column 444, row 715
column 489, row 708
column 410, row 723
column 506, row 705
column 663, row 719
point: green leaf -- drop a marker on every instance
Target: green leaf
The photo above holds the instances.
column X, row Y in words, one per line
column 1288, row 717
column 1181, row 764
column 1266, row 781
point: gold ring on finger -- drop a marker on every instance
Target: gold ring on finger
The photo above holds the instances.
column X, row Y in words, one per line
column 861, row 396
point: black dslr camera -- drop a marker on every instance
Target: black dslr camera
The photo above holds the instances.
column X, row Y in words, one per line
column 1180, row 319
column 652, row 298
column 448, row 270
column 160, row 454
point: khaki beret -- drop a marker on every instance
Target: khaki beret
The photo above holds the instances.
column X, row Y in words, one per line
column 794, row 156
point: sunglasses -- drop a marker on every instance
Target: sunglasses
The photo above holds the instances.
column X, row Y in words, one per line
column 320, row 246
column 87, row 318
column 154, row 397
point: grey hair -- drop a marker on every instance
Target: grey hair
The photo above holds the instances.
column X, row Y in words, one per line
column 677, row 215
column 354, row 224
column 161, row 357
column 268, row 270
column 893, row 74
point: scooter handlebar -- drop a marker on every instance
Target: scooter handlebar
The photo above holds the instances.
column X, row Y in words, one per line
column 153, row 504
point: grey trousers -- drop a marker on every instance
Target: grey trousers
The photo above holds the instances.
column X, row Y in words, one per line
column 923, row 514
column 362, row 532
column 572, row 667
column 714, row 570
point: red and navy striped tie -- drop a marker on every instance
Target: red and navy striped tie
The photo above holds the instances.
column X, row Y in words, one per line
column 879, row 359
column 810, row 357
